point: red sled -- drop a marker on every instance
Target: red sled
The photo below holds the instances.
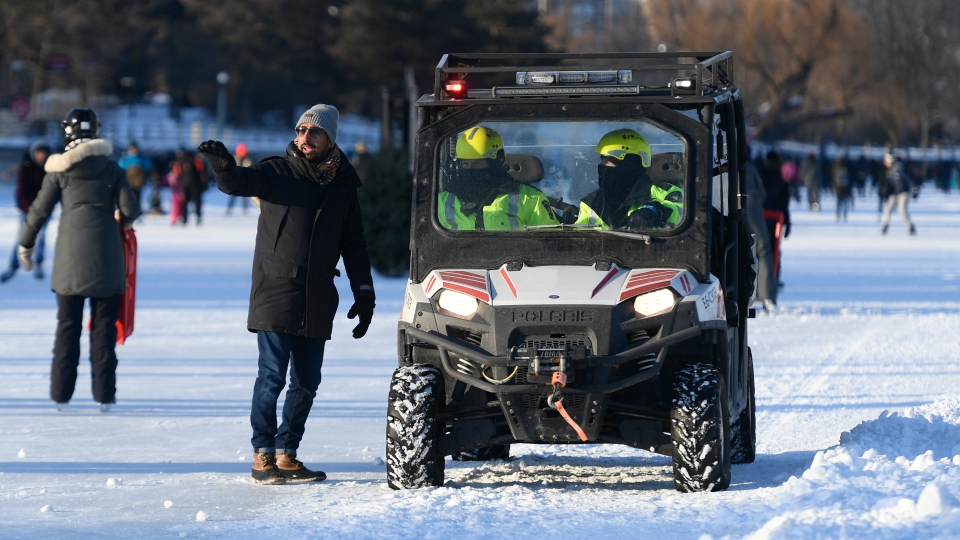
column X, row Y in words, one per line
column 775, row 221
column 128, row 300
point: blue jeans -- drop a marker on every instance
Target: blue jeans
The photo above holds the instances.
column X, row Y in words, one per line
column 277, row 350
column 39, row 246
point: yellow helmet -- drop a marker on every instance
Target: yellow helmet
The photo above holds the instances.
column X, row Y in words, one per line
column 479, row 143
column 617, row 144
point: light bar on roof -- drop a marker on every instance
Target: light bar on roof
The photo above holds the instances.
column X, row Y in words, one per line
column 510, row 91
column 605, row 76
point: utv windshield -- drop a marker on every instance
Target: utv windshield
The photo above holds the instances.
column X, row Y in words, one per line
column 541, row 176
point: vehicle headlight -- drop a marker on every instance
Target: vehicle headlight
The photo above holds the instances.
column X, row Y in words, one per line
column 457, row 303
column 654, row 302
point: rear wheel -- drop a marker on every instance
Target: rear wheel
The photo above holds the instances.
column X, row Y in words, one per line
column 699, row 430
column 413, row 457
column 743, row 431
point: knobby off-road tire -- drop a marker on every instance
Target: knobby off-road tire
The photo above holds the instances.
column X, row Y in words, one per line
column 413, row 458
column 490, row 453
column 699, row 430
column 743, row 431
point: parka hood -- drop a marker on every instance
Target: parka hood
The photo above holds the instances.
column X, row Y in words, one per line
column 65, row 161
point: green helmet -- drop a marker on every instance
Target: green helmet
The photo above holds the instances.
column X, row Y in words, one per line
column 479, row 143
column 619, row 143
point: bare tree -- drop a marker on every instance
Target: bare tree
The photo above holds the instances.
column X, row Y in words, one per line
column 794, row 58
column 918, row 45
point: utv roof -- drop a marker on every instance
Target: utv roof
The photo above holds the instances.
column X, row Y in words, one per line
column 694, row 77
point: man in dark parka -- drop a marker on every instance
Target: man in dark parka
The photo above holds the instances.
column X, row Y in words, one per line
column 309, row 219
column 88, row 261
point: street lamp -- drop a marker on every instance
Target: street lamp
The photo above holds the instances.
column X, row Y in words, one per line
column 222, row 79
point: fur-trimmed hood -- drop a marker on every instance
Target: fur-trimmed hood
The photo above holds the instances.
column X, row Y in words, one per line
column 63, row 162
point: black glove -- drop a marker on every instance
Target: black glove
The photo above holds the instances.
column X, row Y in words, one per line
column 786, row 229
column 363, row 305
column 569, row 215
column 646, row 217
column 216, row 153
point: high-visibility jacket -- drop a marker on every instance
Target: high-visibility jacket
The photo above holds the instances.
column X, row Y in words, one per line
column 507, row 212
column 670, row 197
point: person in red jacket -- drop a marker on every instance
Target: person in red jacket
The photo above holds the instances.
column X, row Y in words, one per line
column 29, row 179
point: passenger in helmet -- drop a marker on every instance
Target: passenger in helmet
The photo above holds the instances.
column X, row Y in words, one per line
column 481, row 194
column 626, row 196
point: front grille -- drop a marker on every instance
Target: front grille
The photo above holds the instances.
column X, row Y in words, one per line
column 578, row 376
column 572, row 402
column 553, row 343
column 532, row 401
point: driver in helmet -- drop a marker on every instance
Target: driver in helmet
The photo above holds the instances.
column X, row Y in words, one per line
column 483, row 195
column 627, row 197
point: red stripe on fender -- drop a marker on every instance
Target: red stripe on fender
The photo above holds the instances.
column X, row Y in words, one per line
column 506, row 277
column 430, row 283
column 606, row 279
column 465, row 278
column 644, row 282
column 685, row 282
column 645, row 277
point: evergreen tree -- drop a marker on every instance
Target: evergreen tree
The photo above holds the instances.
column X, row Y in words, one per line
column 380, row 38
column 385, row 200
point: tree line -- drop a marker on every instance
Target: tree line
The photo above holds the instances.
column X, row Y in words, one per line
column 278, row 53
column 850, row 71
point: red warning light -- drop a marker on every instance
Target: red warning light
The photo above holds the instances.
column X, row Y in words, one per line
column 456, row 89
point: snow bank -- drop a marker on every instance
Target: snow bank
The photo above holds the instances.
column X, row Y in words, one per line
column 894, row 477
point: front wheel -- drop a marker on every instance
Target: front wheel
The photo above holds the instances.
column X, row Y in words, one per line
column 413, row 433
column 699, row 430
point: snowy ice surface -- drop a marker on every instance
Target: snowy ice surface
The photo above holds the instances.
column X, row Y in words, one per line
column 858, row 410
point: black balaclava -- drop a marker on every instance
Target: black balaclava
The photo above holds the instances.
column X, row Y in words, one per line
column 615, row 185
column 477, row 187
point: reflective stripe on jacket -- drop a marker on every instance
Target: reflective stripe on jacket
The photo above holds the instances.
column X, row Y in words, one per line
column 507, row 212
column 671, row 198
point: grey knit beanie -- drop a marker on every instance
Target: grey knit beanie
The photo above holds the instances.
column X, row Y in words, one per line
column 323, row 116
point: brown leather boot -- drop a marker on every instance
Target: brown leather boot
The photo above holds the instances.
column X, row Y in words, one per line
column 293, row 470
column 265, row 469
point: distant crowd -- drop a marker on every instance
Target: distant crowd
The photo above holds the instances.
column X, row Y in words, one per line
column 815, row 174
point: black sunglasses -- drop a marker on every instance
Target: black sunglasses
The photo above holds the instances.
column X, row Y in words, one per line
column 314, row 131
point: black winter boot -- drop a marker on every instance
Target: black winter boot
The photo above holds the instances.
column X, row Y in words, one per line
column 293, row 470
column 265, row 469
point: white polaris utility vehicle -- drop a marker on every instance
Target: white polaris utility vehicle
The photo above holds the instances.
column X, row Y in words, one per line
column 563, row 301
